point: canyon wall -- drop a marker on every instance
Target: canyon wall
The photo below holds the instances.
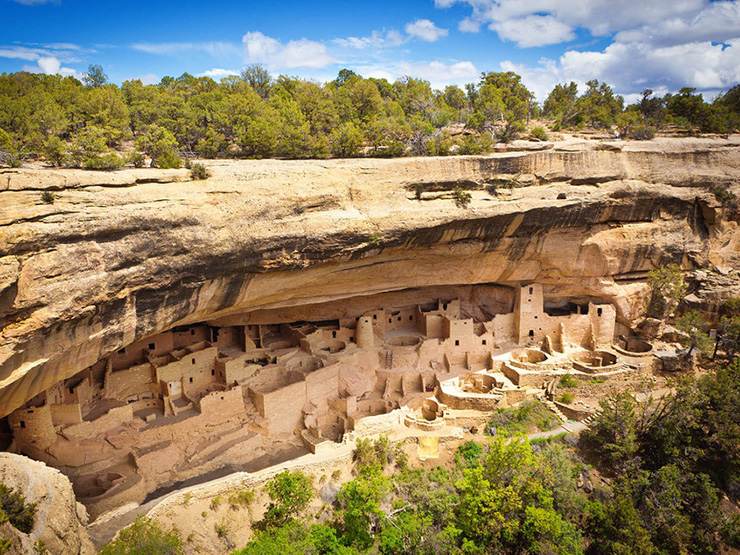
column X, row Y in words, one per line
column 124, row 255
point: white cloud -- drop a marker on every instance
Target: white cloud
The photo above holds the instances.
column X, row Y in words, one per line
column 438, row 73
column 147, row 79
column 377, row 39
column 216, row 49
column 534, row 30
column 20, row 53
column 218, row 73
column 306, row 53
column 425, row 30
column 600, row 17
column 51, row 66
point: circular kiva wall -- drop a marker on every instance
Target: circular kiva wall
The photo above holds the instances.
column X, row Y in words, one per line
column 632, row 346
column 477, row 383
column 529, row 358
column 595, row 361
column 403, row 341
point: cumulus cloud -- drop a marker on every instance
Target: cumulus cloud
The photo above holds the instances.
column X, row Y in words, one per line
column 305, row 53
column 50, row 66
column 659, row 45
column 600, row 17
column 534, row 30
column 425, row 30
column 438, row 73
column 218, row 73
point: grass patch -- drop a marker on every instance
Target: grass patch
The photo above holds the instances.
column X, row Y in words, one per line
column 568, row 381
column 566, row 398
column 531, row 416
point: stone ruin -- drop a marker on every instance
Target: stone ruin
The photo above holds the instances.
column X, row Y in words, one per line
column 195, row 399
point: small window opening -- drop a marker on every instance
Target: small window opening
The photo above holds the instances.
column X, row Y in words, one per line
column 399, row 318
column 213, row 372
column 457, row 342
column 484, row 341
column 390, row 320
column 151, row 346
column 71, row 390
column 191, row 379
column 411, row 317
column 599, row 312
column 122, row 351
column 351, row 337
column 531, row 333
column 23, row 423
column 531, row 290
column 192, row 361
column 192, row 332
column 375, row 316
column 334, row 334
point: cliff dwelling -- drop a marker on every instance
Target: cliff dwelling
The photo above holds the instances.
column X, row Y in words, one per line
column 196, row 398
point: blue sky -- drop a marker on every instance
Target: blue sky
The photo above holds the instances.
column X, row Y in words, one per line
column 630, row 44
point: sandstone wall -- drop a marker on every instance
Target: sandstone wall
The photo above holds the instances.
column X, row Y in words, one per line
column 93, row 273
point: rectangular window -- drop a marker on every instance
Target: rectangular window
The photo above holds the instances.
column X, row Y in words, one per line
column 411, row 317
column 531, row 290
column 23, row 423
column 484, row 341
column 151, row 346
column 213, row 372
column 457, row 342
column 192, row 360
column 191, row 379
column 599, row 312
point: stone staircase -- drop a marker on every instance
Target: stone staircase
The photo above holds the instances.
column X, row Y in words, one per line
column 590, row 418
column 553, row 407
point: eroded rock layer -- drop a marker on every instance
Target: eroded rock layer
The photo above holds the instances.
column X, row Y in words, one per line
column 120, row 257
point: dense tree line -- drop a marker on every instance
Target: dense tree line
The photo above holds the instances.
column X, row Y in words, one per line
column 83, row 124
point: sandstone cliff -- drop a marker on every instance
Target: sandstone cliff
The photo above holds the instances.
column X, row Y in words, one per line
column 120, row 256
column 59, row 520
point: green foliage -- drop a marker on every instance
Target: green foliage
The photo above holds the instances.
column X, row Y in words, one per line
column 199, row 171
column 469, row 453
column 613, row 435
column 462, row 197
column 539, row 132
column 694, row 327
column 241, row 498
column 95, row 76
column 47, row 197
column 566, row 397
column 161, row 146
column 136, row 159
column 346, row 141
column 290, row 493
column 18, row 512
column 360, row 504
column 55, row 151
column 667, row 289
column 379, row 452
column 5, row 545
column 568, row 381
column 295, row 538
column 145, row 537
column 530, row 416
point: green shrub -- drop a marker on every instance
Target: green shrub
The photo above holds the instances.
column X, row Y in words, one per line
column 241, row 498
column 19, row 513
column 539, row 132
column 55, row 151
column 168, row 160
column 529, row 417
column 290, row 493
column 566, row 398
column 199, row 171
column 145, row 537
column 136, row 159
column 47, row 197
column 568, row 381
column 462, row 197
column 469, row 453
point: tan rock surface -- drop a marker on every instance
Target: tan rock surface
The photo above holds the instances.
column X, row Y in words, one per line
column 59, row 520
column 123, row 255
